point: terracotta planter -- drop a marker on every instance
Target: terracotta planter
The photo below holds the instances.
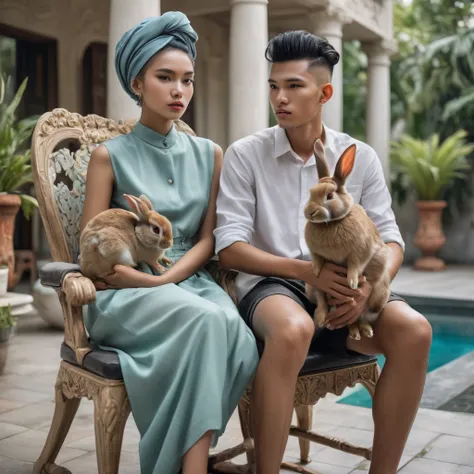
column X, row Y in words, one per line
column 429, row 237
column 9, row 207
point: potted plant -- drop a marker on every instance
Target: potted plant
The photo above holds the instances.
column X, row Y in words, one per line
column 15, row 171
column 429, row 168
column 7, row 328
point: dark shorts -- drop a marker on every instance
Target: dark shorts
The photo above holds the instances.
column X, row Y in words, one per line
column 325, row 339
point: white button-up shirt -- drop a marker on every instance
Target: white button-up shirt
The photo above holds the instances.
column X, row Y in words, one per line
column 265, row 185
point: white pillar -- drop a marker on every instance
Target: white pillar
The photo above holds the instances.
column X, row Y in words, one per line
column 328, row 24
column 124, row 14
column 378, row 100
column 248, row 69
column 217, row 101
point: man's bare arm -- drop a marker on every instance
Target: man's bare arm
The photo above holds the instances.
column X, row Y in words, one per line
column 243, row 257
column 395, row 259
column 246, row 258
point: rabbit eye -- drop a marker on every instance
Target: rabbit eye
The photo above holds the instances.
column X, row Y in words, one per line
column 329, row 196
column 156, row 229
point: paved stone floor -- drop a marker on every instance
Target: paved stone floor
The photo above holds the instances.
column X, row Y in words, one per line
column 455, row 283
column 440, row 442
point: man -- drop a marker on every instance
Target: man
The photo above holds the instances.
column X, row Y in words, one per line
column 265, row 184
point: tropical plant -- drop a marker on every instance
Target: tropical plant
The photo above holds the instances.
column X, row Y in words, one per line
column 429, row 167
column 15, row 167
column 6, row 318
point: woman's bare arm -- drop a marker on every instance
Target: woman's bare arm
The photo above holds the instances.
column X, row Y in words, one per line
column 99, row 185
column 203, row 250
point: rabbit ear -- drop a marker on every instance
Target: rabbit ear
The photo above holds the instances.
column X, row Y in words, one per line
column 138, row 206
column 320, row 157
column 144, row 199
column 345, row 164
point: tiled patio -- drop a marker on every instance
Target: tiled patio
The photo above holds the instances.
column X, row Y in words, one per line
column 441, row 441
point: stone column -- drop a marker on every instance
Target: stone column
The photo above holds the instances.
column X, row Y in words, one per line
column 378, row 100
column 124, row 14
column 248, row 68
column 217, row 69
column 328, row 24
column 217, row 105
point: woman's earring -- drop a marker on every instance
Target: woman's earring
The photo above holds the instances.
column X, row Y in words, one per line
column 139, row 98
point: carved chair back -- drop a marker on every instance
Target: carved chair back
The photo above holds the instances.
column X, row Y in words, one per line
column 61, row 147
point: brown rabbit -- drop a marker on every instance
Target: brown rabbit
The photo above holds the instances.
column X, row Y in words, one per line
column 117, row 236
column 342, row 233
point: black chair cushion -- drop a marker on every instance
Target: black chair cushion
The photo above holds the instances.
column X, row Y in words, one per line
column 99, row 362
column 325, row 360
column 106, row 363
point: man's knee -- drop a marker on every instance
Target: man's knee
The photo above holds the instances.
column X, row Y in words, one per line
column 285, row 327
column 412, row 333
column 290, row 342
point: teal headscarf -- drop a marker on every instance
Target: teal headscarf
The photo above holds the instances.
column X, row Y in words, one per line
column 144, row 40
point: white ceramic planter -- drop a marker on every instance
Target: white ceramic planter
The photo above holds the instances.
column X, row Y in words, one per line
column 3, row 280
column 47, row 304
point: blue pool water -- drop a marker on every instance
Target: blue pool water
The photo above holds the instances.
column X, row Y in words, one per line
column 445, row 348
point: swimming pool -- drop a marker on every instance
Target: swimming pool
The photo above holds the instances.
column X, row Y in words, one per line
column 453, row 337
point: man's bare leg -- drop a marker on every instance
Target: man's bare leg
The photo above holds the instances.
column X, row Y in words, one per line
column 404, row 337
column 287, row 330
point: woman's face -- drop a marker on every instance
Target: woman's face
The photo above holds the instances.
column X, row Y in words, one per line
column 167, row 85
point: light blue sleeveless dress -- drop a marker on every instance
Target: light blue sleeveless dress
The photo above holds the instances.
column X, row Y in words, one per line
column 186, row 354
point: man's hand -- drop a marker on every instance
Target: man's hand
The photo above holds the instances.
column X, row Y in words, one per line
column 347, row 313
column 332, row 281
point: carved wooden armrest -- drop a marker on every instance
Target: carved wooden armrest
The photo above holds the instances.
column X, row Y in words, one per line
column 67, row 277
column 79, row 290
column 224, row 278
column 74, row 291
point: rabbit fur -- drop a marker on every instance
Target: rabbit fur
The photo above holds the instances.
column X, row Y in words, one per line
column 341, row 232
column 118, row 236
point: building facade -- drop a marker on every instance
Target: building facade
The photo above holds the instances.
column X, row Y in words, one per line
column 66, row 48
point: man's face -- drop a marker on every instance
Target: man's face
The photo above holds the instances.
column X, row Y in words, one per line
column 298, row 93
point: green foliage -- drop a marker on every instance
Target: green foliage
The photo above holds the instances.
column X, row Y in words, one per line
column 432, row 83
column 354, row 66
column 15, row 165
column 429, row 167
column 6, row 318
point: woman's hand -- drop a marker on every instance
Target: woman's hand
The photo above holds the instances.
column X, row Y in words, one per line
column 127, row 277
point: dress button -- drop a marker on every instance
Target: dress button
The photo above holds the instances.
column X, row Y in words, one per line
column 165, row 143
column 170, row 181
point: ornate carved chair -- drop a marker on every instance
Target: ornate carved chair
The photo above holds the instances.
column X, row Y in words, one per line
column 62, row 143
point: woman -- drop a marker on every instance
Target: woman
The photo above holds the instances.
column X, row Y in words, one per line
column 186, row 355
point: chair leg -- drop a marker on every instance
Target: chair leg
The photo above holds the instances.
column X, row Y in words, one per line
column 111, row 410
column 304, row 415
column 370, row 385
column 64, row 413
column 246, row 427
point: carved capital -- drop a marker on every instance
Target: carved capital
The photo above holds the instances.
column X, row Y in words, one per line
column 252, row 2
column 379, row 52
column 329, row 22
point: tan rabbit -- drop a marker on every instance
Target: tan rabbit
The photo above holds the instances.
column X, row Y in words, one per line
column 117, row 236
column 342, row 233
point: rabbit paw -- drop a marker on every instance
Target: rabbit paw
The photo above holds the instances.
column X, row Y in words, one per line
column 167, row 261
column 320, row 317
column 354, row 332
column 366, row 329
column 353, row 280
